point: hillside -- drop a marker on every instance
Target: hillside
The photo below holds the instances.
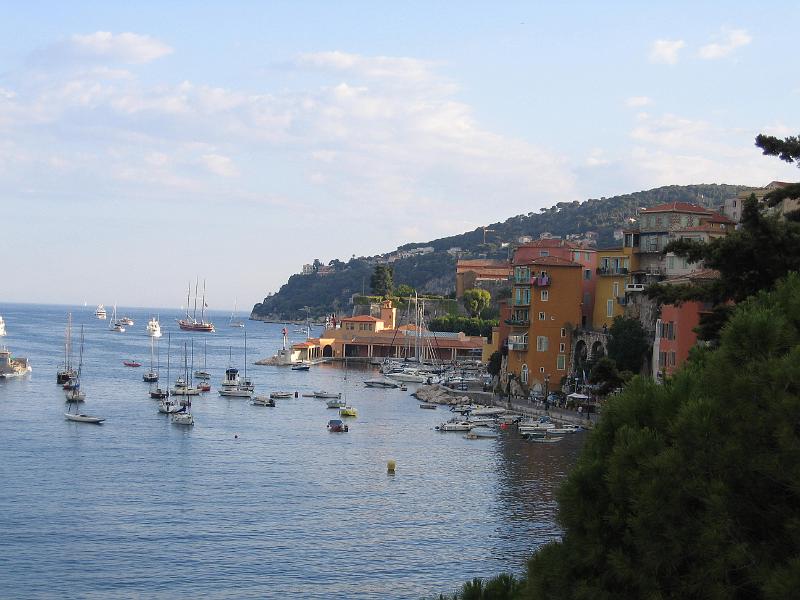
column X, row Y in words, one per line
column 330, row 289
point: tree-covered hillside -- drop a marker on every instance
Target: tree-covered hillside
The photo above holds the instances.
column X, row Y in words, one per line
column 435, row 272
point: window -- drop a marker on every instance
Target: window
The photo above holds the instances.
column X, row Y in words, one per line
column 541, row 316
column 545, row 295
column 541, row 369
column 542, row 343
column 563, row 332
column 610, row 308
column 523, row 374
column 586, row 299
column 544, row 253
column 585, row 256
column 670, row 262
column 587, row 274
column 616, row 289
column 576, row 256
column 562, row 347
column 561, row 362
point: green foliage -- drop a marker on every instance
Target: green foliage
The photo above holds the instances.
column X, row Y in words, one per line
column 628, row 344
column 381, row 281
column 468, row 325
column 749, row 259
column 503, row 587
column 475, row 300
column 691, row 489
column 365, row 300
column 604, row 374
column 495, row 362
column 404, row 291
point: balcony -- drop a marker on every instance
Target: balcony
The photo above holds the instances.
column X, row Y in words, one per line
column 612, row 270
column 634, row 287
column 518, row 343
column 522, row 301
column 541, row 281
column 518, row 322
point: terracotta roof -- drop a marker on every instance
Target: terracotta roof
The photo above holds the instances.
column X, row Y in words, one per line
column 677, row 207
column 443, row 342
column 706, row 228
column 551, row 261
column 482, row 263
column 360, row 319
column 699, row 275
column 718, row 218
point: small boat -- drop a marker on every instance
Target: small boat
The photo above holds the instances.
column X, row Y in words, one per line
column 100, row 312
column 279, row 395
column 301, row 367
column 167, row 407
column 182, row 388
column 158, row 393
column 409, row 376
column 126, row 321
column 131, row 363
column 545, row 439
column 428, row 405
column 116, row 325
column 154, row 328
column 183, row 418
column 348, row 411
column 12, row 367
column 480, row 432
column 203, row 373
column 66, row 374
column 488, row 411
column 336, row 403
column 152, row 375
column 234, row 321
column 337, row 426
column 263, row 401
column 381, row 383
column 81, row 418
column 324, row 394
column 2, row 327
column 204, row 387
column 454, row 426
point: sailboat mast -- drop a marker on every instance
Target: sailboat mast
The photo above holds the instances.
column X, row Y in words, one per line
column 191, row 372
column 188, row 294
column 203, row 304
column 194, row 314
column 80, row 359
column 169, row 345
column 245, row 355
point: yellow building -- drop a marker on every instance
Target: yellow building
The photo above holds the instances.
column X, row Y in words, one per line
column 614, row 268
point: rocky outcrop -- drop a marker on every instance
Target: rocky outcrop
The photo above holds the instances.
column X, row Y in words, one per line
column 439, row 394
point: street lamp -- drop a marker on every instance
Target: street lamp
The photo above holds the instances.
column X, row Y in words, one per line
column 547, row 386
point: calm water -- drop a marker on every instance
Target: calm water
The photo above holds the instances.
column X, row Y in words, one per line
column 138, row 507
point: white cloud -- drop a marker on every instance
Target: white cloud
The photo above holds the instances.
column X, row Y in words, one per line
column 666, row 51
column 220, row 165
column 104, row 46
column 638, row 101
column 730, row 40
column 597, row 158
column 375, row 67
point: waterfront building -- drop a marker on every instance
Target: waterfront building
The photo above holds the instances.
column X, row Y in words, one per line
column 614, row 281
column 538, row 321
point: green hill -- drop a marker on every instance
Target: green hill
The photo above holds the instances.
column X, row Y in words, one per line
column 435, row 272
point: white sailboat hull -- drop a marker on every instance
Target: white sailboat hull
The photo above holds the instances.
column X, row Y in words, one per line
column 79, row 418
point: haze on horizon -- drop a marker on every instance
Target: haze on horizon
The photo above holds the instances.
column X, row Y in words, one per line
column 143, row 145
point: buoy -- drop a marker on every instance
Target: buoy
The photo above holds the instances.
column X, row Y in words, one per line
column 295, row 394
column 236, row 436
column 390, row 467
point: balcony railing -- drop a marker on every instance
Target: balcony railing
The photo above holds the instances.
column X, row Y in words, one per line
column 634, row 287
column 541, row 281
column 518, row 322
column 522, row 301
column 612, row 270
column 516, row 342
column 522, row 280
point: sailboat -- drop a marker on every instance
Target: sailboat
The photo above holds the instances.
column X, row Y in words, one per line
column 151, row 376
column 190, row 323
column 79, row 396
column 67, row 372
column 345, row 410
column 166, row 406
column 234, row 322
column 74, row 392
column 116, row 325
column 183, row 416
column 159, row 393
column 183, row 385
column 232, row 386
column 203, row 373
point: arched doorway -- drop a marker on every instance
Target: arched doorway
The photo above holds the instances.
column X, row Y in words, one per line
column 581, row 356
column 327, row 351
column 598, row 351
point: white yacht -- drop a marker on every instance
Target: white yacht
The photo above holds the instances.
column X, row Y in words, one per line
column 100, row 312
column 2, row 327
column 231, row 385
column 154, row 328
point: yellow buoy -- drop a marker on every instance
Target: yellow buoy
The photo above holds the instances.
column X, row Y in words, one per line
column 390, row 467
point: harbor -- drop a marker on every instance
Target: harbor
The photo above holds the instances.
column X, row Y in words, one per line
column 248, row 485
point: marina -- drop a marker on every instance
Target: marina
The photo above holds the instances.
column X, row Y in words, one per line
column 257, row 483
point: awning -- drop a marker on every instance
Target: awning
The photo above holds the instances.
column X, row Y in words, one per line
column 577, row 396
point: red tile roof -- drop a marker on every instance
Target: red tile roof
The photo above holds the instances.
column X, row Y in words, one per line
column 360, row 319
column 552, row 261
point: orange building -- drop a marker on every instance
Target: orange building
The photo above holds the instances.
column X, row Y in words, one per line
column 574, row 252
column 539, row 319
column 481, row 274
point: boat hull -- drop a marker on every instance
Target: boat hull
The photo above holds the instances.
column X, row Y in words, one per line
column 79, row 418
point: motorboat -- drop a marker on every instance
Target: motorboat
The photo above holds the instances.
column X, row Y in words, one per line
column 348, row 411
column 381, row 383
column 204, row 386
column 167, row 407
column 323, row 395
column 2, row 327
column 408, row 376
column 279, row 395
column 336, row 403
column 454, row 426
column 150, row 377
column 232, row 385
column 545, row 439
column 100, row 312
column 159, row 394
column 235, row 393
column 480, row 432
column 263, row 401
column 12, row 367
column 337, row 426
column 81, row 418
column 202, row 374
column 154, row 328
column 127, row 321
column 131, row 363
column 488, row 411
column 428, row 405
column 301, row 367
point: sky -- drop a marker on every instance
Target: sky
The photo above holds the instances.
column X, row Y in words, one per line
column 143, row 145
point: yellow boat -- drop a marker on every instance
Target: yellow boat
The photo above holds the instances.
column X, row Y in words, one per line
column 348, row 411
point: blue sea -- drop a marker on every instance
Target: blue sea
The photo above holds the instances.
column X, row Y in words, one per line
column 251, row 502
